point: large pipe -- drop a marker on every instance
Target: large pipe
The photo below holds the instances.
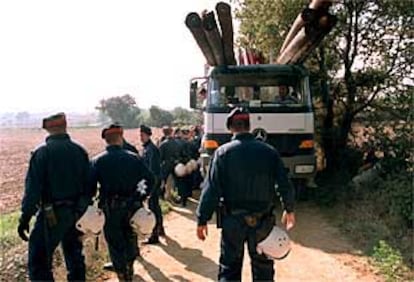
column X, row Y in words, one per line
column 315, row 38
column 194, row 23
column 299, row 22
column 317, row 26
column 213, row 37
column 227, row 34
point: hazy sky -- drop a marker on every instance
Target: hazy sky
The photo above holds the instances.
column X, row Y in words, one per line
column 66, row 55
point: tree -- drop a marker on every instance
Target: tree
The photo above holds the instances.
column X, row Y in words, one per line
column 159, row 117
column 368, row 56
column 186, row 117
column 122, row 109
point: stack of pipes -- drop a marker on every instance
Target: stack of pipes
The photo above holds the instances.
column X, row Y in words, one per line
column 307, row 32
column 216, row 45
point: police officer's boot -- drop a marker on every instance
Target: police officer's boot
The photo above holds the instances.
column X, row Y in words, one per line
column 122, row 277
column 161, row 231
column 130, row 271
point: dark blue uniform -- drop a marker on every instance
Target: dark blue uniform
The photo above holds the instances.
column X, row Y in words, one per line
column 196, row 176
column 184, row 184
column 118, row 172
column 244, row 173
column 129, row 147
column 151, row 157
column 57, row 175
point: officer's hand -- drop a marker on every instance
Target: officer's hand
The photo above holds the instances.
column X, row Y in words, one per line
column 202, row 232
column 23, row 228
column 288, row 219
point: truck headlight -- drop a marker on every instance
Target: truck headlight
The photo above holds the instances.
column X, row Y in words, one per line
column 302, row 169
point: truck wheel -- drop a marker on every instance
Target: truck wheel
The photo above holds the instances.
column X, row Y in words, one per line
column 301, row 192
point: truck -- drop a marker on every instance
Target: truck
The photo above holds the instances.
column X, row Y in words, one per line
column 287, row 125
column 276, row 95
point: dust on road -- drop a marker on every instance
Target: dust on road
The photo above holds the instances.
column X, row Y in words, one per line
column 320, row 253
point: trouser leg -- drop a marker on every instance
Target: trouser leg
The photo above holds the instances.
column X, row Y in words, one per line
column 42, row 244
column 72, row 250
column 232, row 248
column 122, row 241
column 262, row 267
column 154, row 205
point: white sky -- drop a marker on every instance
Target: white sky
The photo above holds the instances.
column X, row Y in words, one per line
column 67, row 55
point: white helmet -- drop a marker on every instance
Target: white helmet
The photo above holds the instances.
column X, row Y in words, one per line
column 91, row 222
column 180, row 170
column 276, row 245
column 191, row 166
column 143, row 221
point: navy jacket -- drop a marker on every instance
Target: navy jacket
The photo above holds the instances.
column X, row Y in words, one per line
column 58, row 171
column 151, row 157
column 118, row 172
column 245, row 172
column 169, row 155
column 129, row 147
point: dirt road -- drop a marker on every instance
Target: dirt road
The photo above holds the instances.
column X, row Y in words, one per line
column 319, row 253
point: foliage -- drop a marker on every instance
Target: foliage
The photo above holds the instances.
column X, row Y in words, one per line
column 122, row 109
column 369, row 55
column 8, row 230
column 388, row 260
column 159, row 117
column 265, row 23
column 186, row 117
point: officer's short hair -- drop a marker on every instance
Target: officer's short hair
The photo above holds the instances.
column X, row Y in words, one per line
column 238, row 119
column 166, row 130
column 113, row 130
column 54, row 121
column 145, row 129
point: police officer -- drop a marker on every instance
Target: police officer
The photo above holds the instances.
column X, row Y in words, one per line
column 184, row 183
column 56, row 189
column 169, row 151
column 241, row 181
column 128, row 146
column 151, row 157
column 118, row 172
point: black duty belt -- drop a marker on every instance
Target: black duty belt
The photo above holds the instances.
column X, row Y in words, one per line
column 116, row 201
column 250, row 218
column 64, row 203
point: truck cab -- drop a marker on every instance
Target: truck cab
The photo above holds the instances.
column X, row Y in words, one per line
column 281, row 114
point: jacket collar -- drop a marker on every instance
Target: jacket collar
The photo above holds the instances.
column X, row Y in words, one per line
column 146, row 144
column 63, row 136
column 243, row 136
column 113, row 147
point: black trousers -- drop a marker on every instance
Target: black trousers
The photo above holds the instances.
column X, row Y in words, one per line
column 154, row 206
column 44, row 240
column 235, row 234
column 121, row 239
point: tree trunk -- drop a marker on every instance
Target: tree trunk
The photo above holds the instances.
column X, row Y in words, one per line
column 328, row 132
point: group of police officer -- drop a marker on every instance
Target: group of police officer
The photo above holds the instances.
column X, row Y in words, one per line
column 62, row 182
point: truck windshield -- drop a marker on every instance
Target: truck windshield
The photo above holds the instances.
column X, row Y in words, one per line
column 253, row 92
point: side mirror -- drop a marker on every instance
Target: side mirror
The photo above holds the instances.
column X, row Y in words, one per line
column 193, row 95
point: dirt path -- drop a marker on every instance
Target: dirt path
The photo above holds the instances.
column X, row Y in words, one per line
column 319, row 253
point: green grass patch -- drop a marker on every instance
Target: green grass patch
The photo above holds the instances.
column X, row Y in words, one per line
column 165, row 206
column 8, row 230
column 389, row 261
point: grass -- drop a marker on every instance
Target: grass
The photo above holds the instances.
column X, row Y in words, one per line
column 365, row 217
column 8, row 230
column 389, row 261
column 165, row 207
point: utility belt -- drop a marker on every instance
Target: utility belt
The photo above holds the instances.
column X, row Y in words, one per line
column 252, row 219
column 49, row 210
column 120, row 202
